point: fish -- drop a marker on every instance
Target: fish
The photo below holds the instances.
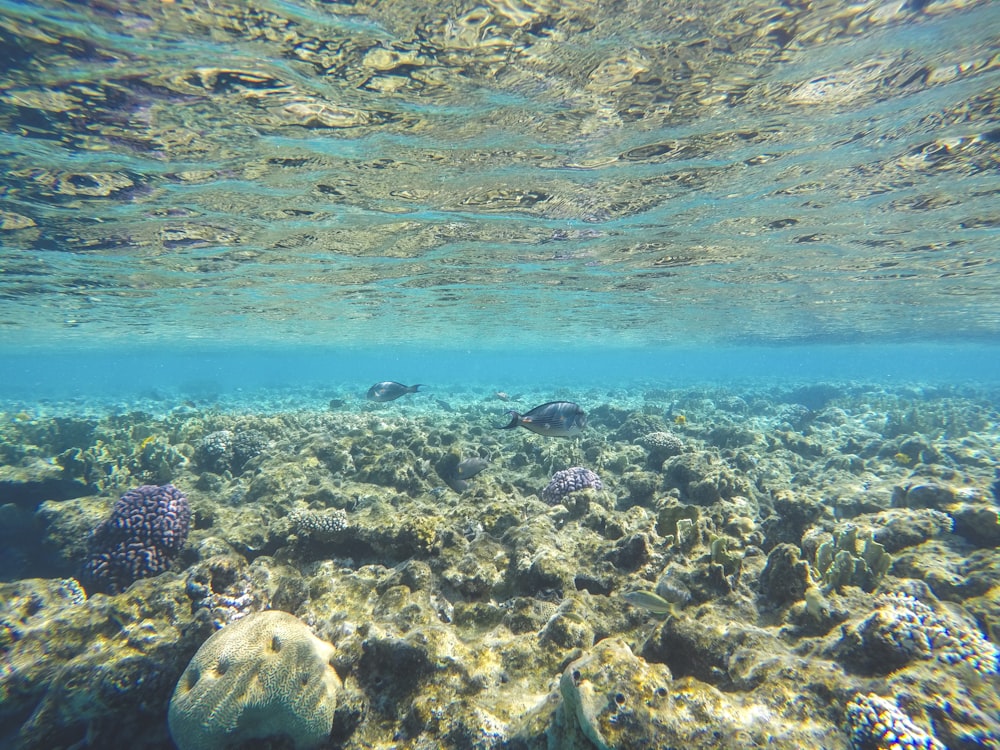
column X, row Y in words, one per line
column 389, row 390
column 470, row 467
column 554, row 419
column 465, row 470
column 651, row 602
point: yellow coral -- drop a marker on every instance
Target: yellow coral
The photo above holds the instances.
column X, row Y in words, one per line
column 263, row 676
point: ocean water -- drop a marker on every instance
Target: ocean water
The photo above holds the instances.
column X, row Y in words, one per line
column 756, row 242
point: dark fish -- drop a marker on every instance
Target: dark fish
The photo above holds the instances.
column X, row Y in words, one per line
column 389, row 390
column 465, row 470
column 554, row 419
column 470, row 467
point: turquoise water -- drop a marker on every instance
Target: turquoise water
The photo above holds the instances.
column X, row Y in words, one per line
column 757, row 243
column 551, row 175
column 105, row 377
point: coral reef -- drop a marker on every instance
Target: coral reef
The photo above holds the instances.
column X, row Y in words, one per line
column 262, row 677
column 785, row 568
column 146, row 530
column 319, row 523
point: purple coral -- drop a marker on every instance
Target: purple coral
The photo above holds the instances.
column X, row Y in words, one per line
column 570, row 480
column 877, row 723
column 147, row 528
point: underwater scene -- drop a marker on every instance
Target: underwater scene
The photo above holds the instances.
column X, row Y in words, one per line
column 500, row 374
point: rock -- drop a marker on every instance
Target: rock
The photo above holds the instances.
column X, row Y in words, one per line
column 263, row 676
column 603, row 687
column 96, row 671
column 610, row 698
column 631, row 553
column 793, row 514
column 907, row 528
column 978, row 522
column 698, row 649
column 974, row 514
column 937, row 496
column 785, row 577
column 35, row 480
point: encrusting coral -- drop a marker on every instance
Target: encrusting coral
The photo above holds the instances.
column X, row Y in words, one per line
column 263, row 676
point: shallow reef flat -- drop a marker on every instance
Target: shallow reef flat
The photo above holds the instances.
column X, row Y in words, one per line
column 794, row 566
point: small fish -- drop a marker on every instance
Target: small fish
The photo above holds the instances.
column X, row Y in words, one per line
column 650, row 602
column 458, row 479
column 554, row 419
column 389, row 390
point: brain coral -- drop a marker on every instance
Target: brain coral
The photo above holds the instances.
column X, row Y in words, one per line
column 264, row 676
column 147, row 528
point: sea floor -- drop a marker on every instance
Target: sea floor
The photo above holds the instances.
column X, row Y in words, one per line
column 794, row 566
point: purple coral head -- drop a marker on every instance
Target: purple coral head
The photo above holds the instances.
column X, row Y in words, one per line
column 147, row 528
column 570, row 480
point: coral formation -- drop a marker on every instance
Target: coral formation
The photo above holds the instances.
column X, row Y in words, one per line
column 220, row 586
column 215, row 451
column 903, row 628
column 261, row 677
column 876, row 723
column 845, row 561
column 660, row 446
column 320, row 523
column 568, row 481
column 146, row 530
column 228, row 450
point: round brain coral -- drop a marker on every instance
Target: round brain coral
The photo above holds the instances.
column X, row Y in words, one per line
column 265, row 676
column 147, row 528
column 570, row 480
